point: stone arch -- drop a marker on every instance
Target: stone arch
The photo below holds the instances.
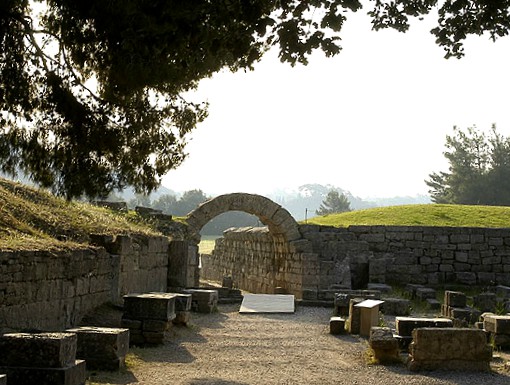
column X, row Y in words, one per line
column 278, row 220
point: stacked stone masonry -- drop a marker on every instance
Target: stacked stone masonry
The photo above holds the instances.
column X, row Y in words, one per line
column 258, row 262
column 327, row 257
column 52, row 290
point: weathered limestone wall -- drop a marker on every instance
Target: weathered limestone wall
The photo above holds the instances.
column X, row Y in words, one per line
column 52, row 290
column 257, row 261
column 436, row 255
column 328, row 257
column 143, row 263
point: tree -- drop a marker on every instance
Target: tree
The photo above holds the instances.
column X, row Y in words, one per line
column 479, row 169
column 189, row 201
column 334, row 203
column 167, row 203
column 91, row 91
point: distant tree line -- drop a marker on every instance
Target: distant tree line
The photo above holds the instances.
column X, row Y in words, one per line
column 479, row 169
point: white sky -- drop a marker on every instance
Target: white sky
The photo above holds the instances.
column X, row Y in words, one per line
column 372, row 120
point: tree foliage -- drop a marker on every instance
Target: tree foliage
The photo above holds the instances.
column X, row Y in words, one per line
column 334, row 203
column 91, row 91
column 479, row 169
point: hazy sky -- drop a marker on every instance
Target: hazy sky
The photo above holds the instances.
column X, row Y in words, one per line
column 372, row 120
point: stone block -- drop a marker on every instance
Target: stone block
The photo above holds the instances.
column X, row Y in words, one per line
column 384, row 345
column 131, row 324
column 433, row 304
column 500, row 340
column 153, row 338
column 423, row 293
column 450, row 349
column 396, row 306
column 498, row 324
column 485, row 302
column 410, row 290
column 455, row 299
column 466, row 314
column 382, row 287
column 341, row 304
column 182, row 318
column 3, row 379
column 157, row 306
column 203, row 300
column 309, row 294
column 354, row 316
column 466, row 278
column 405, row 325
column 39, row 350
column 151, row 325
column 73, row 374
column 102, row 348
column 336, row 325
column 503, row 291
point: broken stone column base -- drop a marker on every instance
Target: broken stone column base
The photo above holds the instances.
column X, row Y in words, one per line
column 384, row 345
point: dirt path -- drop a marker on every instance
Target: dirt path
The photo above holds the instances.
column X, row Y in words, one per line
column 227, row 348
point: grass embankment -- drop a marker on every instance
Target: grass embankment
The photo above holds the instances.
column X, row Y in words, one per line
column 31, row 219
column 421, row 215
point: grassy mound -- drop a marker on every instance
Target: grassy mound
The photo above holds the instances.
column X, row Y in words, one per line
column 421, row 215
column 31, row 219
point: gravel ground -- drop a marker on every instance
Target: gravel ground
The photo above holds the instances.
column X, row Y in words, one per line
column 228, row 348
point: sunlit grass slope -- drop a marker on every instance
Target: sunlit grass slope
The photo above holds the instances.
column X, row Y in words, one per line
column 421, row 215
column 32, row 219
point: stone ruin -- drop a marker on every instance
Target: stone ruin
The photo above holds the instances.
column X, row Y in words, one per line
column 454, row 342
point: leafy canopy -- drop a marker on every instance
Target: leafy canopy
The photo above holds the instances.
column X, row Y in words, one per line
column 91, row 90
column 479, row 171
column 334, row 203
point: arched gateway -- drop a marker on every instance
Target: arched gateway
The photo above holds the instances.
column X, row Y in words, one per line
column 276, row 256
column 278, row 220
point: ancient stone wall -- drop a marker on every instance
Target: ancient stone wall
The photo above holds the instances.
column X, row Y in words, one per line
column 49, row 290
column 437, row 255
column 257, row 261
column 330, row 257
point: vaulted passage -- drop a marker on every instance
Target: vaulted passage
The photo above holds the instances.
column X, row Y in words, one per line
column 259, row 259
column 276, row 218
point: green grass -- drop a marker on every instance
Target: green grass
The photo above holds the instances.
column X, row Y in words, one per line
column 32, row 219
column 207, row 242
column 421, row 215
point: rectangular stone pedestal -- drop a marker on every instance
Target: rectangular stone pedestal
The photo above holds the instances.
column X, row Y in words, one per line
column 39, row 350
column 74, row 374
column 159, row 306
column 406, row 325
column 449, row 349
column 102, row 348
column 337, row 325
column 203, row 300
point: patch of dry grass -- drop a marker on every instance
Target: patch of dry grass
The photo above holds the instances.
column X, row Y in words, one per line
column 32, row 219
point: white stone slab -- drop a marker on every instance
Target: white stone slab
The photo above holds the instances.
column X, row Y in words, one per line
column 369, row 303
column 267, row 303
